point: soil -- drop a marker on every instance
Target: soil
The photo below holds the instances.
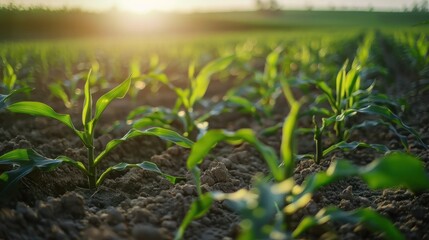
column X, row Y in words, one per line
column 135, row 204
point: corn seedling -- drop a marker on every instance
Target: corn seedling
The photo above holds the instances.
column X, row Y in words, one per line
column 142, row 80
column 187, row 98
column 262, row 91
column 28, row 160
column 279, row 170
column 350, row 100
column 67, row 91
column 9, row 76
column 267, row 208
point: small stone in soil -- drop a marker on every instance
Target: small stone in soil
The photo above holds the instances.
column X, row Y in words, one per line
column 188, row 189
column 169, row 224
column 219, row 172
column 112, row 216
column 142, row 215
column 146, row 232
column 73, row 204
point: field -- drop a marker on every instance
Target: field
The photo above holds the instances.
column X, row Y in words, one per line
column 284, row 125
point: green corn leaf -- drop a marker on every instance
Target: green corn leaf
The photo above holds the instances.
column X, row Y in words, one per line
column 151, row 112
column 258, row 207
column 366, row 216
column 317, row 111
column 352, row 84
column 287, row 148
column 198, row 208
column 116, row 93
column 354, row 145
column 328, row 93
column 373, row 123
column 159, row 77
column 339, row 86
column 40, row 109
column 5, row 97
column 146, row 116
column 58, row 91
column 378, row 99
column 214, row 111
column 191, row 70
column 87, row 105
column 396, row 170
column 269, row 131
column 243, row 103
column 25, row 161
column 9, row 77
column 165, row 134
column 148, row 166
column 43, row 110
column 134, row 67
column 270, row 71
column 202, row 147
column 169, row 135
column 384, row 112
column 150, row 122
column 201, row 82
column 393, row 170
column 183, row 95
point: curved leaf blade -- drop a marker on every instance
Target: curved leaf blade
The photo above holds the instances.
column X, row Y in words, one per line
column 202, row 147
column 396, row 170
column 164, row 134
column 354, row 145
column 5, row 97
column 169, row 135
column 87, row 104
column 26, row 161
column 198, row 208
column 366, row 216
column 40, row 109
column 116, row 93
column 148, row 166
column 202, row 81
column 393, row 170
column 58, row 91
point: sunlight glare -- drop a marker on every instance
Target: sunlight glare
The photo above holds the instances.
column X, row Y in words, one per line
column 136, row 6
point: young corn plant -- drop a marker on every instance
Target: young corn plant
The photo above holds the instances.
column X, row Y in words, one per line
column 27, row 160
column 67, row 90
column 415, row 52
column 187, row 98
column 347, row 100
column 279, row 170
column 140, row 81
column 260, row 94
column 266, row 209
column 9, row 77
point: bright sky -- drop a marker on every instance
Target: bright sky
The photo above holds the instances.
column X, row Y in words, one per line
column 212, row 5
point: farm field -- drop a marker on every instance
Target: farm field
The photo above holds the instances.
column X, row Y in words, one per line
column 275, row 127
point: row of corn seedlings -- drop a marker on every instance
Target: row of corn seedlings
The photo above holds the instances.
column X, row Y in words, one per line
column 267, row 208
